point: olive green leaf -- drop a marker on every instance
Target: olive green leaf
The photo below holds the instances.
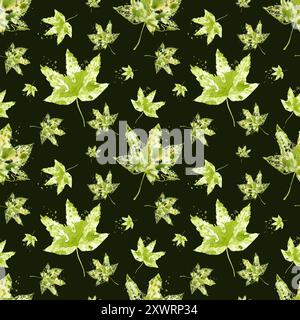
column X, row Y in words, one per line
column 103, row 271
column 292, row 104
column 180, row 90
column 226, row 234
column 253, row 272
column 155, row 15
column 292, row 253
column 103, row 38
column 29, row 240
column 253, row 38
column 200, row 279
column 15, row 58
column 200, row 129
column 165, row 58
column 227, row 84
column 61, row 177
column 127, row 223
column 243, row 3
column 6, row 288
column 289, row 159
column 243, row 152
column 93, row 3
column 128, row 72
column 4, row 256
column 92, row 152
column 277, row 223
column 14, row 209
column 146, row 255
column 284, row 292
column 253, row 188
column 146, row 105
column 30, row 90
column 210, row 178
column 103, row 188
column 77, row 84
column 164, row 209
column 210, row 26
column 12, row 159
column 77, row 234
column 180, row 240
column 277, row 73
column 50, row 129
column 60, row 26
column 153, row 292
column 50, row 279
column 253, row 121
column 4, row 106
column 103, row 121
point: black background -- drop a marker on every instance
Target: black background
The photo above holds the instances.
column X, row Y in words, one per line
column 177, row 112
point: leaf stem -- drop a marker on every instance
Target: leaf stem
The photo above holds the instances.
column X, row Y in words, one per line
column 35, row 277
column 266, row 133
column 261, row 200
column 289, row 117
column 290, row 38
column 226, row 15
column 111, row 50
column 111, row 200
column 139, row 117
column 36, row 127
column 288, row 193
column 116, row 283
column 228, row 107
column 140, row 187
column 266, row 283
column 76, row 15
column 83, row 271
column 80, row 112
column 261, row 50
column 221, row 168
column 228, row 257
column 185, row 277
column 138, row 268
column 140, row 37
column 289, row 267
column 76, row 165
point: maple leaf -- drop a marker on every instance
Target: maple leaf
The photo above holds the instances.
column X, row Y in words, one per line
column 180, row 240
column 284, row 292
column 6, row 288
column 227, row 84
column 103, row 271
column 77, row 234
column 146, row 105
column 210, row 178
column 180, row 90
column 103, row 121
column 211, row 27
column 30, row 90
column 200, row 129
column 278, row 73
column 243, row 152
column 155, row 15
column 292, row 253
column 164, row 58
column 253, row 188
column 153, row 292
column 289, row 159
column 164, row 209
column 92, row 152
column 146, row 255
column 152, row 159
column 277, row 222
column 103, row 188
column 200, row 279
column 253, row 121
column 4, row 106
column 30, row 240
column 226, row 234
column 14, row 209
column 127, row 223
column 243, row 3
column 128, row 72
column 12, row 159
column 292, row 104
column 103, row 38
column 14, row 59
column 50, row 129
column 93, row 3
column 50, row 279
column 61, row 177
column 4, row 256
column 253, row 38
column 77, row 84
column 253, row 272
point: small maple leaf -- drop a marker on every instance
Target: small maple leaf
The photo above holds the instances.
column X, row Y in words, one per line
column 103, row 121
column 180, row 90
column 103, row 188
column 284, row 292
column 127, row 223
column 30, row 240
column 200, row 129
column 243, row 152
column 253, row 121
column 165, row 58
column 292, row 253
column 128, row 72
column 14, row 209
column 164, row 209
column 30, row 90
column 180, row 240
column 4, row 256
column 50, row 279
column 50, row 129
column 92, row 152
column 243, row 3
column 93, row 3
column 14, row 59
column 200, row 279
column 6, row 288
column 277, row 73
column 292, row 104
column 277, row 223
column 4, row 106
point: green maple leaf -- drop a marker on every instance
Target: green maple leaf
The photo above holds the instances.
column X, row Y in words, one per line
column 180, row 240
column 103, row 271
column 292, row 253
column 292, row 104
column 289, row 159
column 253, row 121
column 60, row 26
column 12, row 159
column 103, row 38
column 284, row 292
column 200, row 279
column 4, row 256
column 103, row 188
column 227, row 234
column 278, row 73
column 6, row 288
column 77, row 84
column 103, row 121
column 50, row 279
column 243, row 3
column 4, row 106
column 14, row 209
column 253, row 38
column 14, row 59
column 253, row 272
column 210, row 178
column 128, row 72
column 153, row 292
column 243, row 152
column 146, row 255
column 227, row 84
column 30, row 240
column 50, row 129
column 210, row 26
column 165, row 58
column 127, row 223
column 77, row 234
column 93, row 3
column 155, row 15
column 180, row 90
column 253, row 188
column 152, row 159
column 164, row 209
column 61, row 177
column 277, row 223
column 92, row 152
column 200, row 129
column 30, row 90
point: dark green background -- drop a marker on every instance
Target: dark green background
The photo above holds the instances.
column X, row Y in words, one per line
column 177, row 112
